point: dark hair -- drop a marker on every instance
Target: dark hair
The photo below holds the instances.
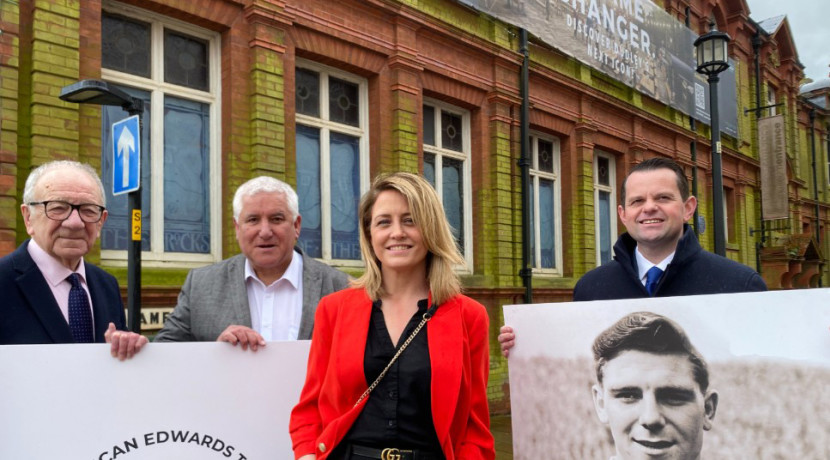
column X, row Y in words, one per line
column 653, row 164
column 650, row 333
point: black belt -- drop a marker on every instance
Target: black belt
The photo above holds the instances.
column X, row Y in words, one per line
column 391, row 453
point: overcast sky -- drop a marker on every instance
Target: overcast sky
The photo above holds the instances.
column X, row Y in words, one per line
column 808, row 23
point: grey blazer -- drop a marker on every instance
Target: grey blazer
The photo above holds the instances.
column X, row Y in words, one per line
column 215, row 297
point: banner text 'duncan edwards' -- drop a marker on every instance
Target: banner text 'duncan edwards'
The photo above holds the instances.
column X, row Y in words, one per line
column 158, row 438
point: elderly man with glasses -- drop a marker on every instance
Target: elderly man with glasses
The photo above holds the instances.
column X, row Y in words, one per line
column 50, row 294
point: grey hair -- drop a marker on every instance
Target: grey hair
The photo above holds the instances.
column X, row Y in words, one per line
column 265, row 184
column 37, row 173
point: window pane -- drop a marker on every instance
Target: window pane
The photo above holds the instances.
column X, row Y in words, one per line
column 343, row 102
column 429, row 168
column 603, row 176
column 345, row 194
column 532, row 212
column 126, row 45
column 547, row 226
column 604, row 226
column 454, row 198
column 451, row 131
column 308, row 190
column 186, row 176
column 115, row 233
column 307, row 88
column 185, row 61
column 545, row 156
column 429, row 125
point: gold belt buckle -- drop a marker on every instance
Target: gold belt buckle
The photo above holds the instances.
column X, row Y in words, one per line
column 390, row 453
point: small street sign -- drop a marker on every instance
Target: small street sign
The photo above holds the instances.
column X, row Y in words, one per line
column 126, row 151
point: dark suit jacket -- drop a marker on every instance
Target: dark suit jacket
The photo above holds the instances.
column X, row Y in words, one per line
column 692, row 271
column 457, row 338
column 215, row 297
column 29, row 313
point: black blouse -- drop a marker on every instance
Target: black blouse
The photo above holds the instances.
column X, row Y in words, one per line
column 398, row 412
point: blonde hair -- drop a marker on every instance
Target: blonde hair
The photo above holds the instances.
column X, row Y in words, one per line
column 428, row 214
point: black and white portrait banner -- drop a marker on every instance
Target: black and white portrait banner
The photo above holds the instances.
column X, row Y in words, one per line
column 768, row 361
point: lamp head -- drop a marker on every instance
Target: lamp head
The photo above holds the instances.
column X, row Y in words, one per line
column 100, row 93
column 712, row 52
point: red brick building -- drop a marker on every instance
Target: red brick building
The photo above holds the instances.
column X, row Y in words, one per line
column 326, row 95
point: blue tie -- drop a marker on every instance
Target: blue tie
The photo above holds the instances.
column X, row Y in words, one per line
column 80, row 315
column 652, row 278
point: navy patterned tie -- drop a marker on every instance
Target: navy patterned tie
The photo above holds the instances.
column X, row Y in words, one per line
column 80, row 315
column 652, row 278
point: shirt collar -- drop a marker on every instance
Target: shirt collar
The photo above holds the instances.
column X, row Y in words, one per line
column 54, row 272
column 293, row 274
column 643, row 264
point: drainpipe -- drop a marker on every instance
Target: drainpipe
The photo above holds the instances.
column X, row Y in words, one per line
column 756, row 47
column 693, row 150
column 815, row 180
column 526, row 272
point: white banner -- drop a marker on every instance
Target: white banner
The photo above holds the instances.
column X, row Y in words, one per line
column 175, row 401
column 768, row 356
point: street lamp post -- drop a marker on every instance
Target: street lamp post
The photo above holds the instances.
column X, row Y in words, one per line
column 101, row 93
column 712, row 59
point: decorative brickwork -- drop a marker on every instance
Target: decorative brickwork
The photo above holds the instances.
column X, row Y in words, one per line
column 9, row 119
column 407, row 51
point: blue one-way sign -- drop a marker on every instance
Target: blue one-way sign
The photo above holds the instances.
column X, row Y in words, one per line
column 126, row 152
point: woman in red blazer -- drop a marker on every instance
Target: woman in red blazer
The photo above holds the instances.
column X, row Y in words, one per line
column 431, row 402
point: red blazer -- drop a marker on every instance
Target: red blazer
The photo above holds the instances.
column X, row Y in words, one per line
column 459, row 355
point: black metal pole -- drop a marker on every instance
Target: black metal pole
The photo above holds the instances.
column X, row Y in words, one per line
column 526, row 272
column 717, row 170
column 134, row 263
column 134, row 248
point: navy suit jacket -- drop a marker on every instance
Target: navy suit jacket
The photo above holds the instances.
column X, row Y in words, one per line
column 29, row 313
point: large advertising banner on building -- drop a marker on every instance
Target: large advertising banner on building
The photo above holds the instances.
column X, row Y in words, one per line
column 172, row 401
column 767, row 356
column 773, row 156
column 633, row 41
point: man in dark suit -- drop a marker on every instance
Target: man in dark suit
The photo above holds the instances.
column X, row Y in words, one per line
column 269, row 292
column 659, row 255
column 50, row 295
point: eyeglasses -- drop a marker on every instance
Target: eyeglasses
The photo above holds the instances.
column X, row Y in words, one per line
column 61, row 210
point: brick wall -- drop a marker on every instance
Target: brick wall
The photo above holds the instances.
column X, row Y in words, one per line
column 9, row 118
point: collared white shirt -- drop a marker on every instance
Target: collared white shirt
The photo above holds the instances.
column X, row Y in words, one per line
column 55, row 274
column 277, row 309
column 643, row 265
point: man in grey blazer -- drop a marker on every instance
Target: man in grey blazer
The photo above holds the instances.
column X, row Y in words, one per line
column 269, row 292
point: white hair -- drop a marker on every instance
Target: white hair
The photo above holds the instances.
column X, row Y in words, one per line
column 37, row 174
column 265, row 184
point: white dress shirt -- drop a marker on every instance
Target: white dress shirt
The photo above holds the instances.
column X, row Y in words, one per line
column 643, row 264
column 277, row 309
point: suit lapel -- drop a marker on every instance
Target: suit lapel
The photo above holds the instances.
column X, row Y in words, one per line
column 39, row 296
column 312, row 286
column 353, row 331
column 446, row 347
column 239, row 293
column 100, row 303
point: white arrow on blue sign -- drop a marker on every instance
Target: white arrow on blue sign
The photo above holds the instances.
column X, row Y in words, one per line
column 126, row 152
